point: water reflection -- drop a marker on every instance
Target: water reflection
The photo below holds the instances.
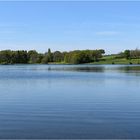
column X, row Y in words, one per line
column 78, row 68
column 129, row 70
column 97, row 68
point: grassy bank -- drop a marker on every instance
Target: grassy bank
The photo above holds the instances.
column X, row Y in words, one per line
column 113, row 60
column 109, row 60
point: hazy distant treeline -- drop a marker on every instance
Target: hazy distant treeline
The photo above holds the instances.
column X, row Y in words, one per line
column 130, row 54
column 33, row 57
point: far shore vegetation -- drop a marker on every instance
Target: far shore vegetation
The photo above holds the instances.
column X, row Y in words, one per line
column 71, row 57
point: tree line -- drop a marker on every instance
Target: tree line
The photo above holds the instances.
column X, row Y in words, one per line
column 130, row 54
column 33, row 57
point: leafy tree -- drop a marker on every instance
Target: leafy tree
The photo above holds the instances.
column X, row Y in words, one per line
column 57, row 56
column 5, row 57
column 13, row 57
column 33, row 56
column 45, row 60
column 135, row 53
column 127, row 54
column 83, row 56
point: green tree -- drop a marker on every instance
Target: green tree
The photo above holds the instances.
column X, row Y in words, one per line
column 127, row 54
column 49, row 55
column 58, row 56
column 5, row 57
column 45, row 59
column 33, row 56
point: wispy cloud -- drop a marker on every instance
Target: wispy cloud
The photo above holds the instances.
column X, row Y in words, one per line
column 3, row 32
column 107, row 33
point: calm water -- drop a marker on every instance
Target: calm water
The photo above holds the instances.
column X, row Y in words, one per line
column 68, row 101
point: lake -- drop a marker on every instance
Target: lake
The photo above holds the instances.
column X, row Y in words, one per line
column 69, row 101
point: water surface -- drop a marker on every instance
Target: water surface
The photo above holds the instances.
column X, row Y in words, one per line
column 69, row 101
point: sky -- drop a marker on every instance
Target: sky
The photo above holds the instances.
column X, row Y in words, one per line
column 70, row 25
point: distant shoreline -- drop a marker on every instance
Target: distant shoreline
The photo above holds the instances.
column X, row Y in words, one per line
column 94, row 63
column 94, row 57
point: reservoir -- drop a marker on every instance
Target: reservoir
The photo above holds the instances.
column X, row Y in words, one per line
column 69, row 101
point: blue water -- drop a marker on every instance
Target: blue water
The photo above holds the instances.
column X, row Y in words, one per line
column 69, row 101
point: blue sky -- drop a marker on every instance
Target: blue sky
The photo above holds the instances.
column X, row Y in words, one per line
column 63, row 25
